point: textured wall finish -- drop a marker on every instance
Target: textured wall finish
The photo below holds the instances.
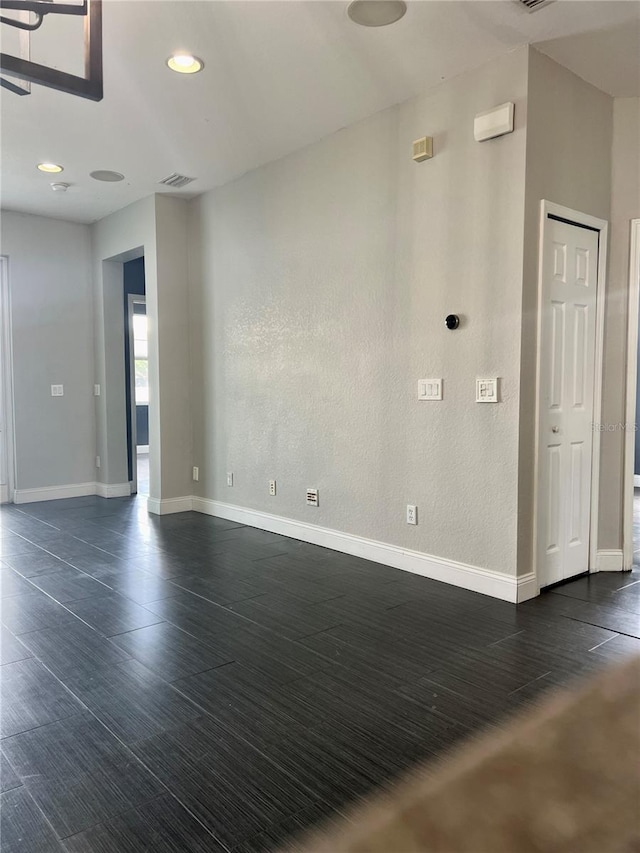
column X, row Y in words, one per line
column 156, row 228
column 319, row 288
column 51, row 301
column 625, row 206
column 571, row 167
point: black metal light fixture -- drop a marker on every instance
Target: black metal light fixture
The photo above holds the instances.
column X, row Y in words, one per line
column 27, row 16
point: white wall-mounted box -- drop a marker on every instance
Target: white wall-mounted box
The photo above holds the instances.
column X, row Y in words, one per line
column 422, row 149
column 494, row 122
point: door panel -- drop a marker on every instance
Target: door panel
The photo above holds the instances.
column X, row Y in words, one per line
column 556, row 356
column 567, row 353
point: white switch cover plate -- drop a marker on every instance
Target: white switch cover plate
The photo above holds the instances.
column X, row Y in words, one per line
column 57, row 390
column 230, row 478
column 430, row 389
column 487, row 390
column 196, row 473
column 313, row 499
column 96, row 390
column 412, row 514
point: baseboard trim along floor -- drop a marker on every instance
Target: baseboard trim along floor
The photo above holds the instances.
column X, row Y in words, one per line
column 504, row 587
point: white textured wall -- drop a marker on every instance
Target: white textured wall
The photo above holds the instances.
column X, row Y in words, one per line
column 625, row 206
column 319, row 287
column 569, row 137
column 174, row 403
column 125, row 234
column 155, row 227
column 51, row 299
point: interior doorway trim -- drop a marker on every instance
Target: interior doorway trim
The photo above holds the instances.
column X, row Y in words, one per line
column 550, row 210
column 6, row 384
column 133, row 299
column 630, row 406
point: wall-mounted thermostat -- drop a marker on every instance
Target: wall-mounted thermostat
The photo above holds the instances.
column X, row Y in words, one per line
column 495, row 122
column 423, row 149
column 487, row 390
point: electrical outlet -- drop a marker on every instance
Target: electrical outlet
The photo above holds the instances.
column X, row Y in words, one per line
column 272, row 487
column 97, row 461
column 229, row 478
column 412, row 514
column 313, row 499
column 57, row 390
column 196, row 473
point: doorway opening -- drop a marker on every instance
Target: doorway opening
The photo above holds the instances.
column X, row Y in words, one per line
column 7, row 472
column 137, row 375
column 569, row 391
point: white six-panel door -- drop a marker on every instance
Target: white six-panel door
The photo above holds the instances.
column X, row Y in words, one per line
column 567, row 373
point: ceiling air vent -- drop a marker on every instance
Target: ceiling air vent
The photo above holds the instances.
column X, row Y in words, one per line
column 175, row 180
column 533, row 5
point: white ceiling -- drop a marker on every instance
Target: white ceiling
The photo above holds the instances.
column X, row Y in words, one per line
column 278, row 76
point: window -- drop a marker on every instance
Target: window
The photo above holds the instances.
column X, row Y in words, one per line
column 141, row 358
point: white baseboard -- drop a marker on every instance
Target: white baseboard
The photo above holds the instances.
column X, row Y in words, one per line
column 113, row 490
column 169, row 505
column 609, row 560
column 527, row 587
column 73, row 490
column 53, row 493
column 505, row 587
column 636, row 481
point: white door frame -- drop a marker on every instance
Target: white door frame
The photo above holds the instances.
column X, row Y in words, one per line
column 141, row 300
column 6, row 383
column 630, row 406
column 602, row 226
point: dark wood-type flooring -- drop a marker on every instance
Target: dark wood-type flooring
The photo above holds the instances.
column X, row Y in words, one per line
column 184, row 683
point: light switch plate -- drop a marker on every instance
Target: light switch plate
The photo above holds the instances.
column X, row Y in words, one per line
column 430, row 389
column 487, row 390
column 57, row 390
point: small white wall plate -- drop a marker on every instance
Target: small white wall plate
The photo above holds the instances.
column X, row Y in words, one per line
column 487, row 390
column 430, row 389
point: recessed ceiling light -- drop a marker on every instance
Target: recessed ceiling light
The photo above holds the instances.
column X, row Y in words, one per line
column 106, row 175
column 185, row 63
column 376, row 13
column 50, row 167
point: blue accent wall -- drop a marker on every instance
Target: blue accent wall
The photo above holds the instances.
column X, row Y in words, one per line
column 142, row 424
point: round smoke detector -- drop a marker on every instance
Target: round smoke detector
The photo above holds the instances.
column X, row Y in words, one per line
column 106, row 175
column 376, row 13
